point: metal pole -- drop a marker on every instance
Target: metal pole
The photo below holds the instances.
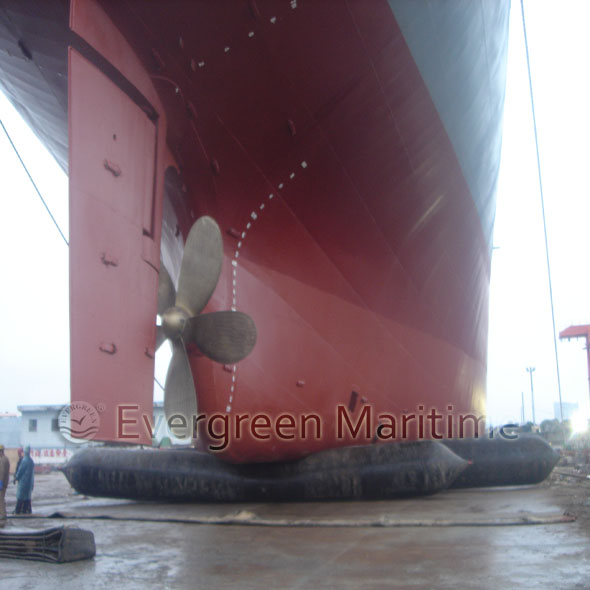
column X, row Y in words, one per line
column 588, row 355
column 530, row 371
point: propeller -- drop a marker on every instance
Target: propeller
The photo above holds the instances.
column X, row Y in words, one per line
column 223, row 336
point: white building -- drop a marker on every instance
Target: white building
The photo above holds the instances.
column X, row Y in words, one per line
column 10, row 430
column 38, row 427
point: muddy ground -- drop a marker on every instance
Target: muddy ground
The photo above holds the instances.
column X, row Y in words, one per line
column 571, row 490
column 492, row 543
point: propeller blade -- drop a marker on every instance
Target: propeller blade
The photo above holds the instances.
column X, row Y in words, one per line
column 201, row 265
column 166, row 291
column 224, row 336
column 179, row 391
column 160, row 336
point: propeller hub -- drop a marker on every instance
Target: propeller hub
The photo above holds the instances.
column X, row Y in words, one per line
column 173, row 322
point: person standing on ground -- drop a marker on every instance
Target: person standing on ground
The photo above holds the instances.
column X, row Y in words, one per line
column 4, row 479
column 24, row 476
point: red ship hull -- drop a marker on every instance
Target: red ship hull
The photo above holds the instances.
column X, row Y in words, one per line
column 354, row 187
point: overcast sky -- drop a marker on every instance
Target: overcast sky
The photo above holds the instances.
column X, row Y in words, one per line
column 34, row 345
column 520, row 316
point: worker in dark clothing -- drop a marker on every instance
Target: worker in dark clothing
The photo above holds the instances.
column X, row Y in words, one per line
column 25, row 477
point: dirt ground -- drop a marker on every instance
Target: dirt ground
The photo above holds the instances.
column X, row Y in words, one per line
column 571, row 490
column 492, row 544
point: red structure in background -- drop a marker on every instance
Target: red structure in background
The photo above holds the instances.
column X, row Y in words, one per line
column 579, row 332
